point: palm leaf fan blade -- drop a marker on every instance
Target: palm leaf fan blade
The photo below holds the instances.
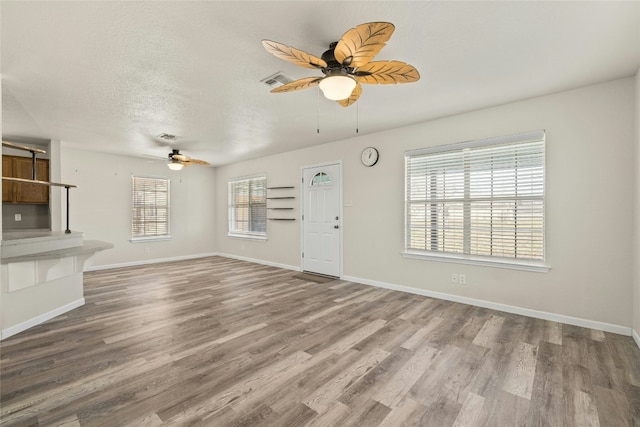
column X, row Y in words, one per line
column 305, row 83
column 357, row 91
column 179, row 157
column 387, row 72
column 359, row 45
column 198, row 162
column 291, row 54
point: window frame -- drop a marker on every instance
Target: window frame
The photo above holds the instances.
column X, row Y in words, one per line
column 134, row 206
column 466, row 257
column 232, row 230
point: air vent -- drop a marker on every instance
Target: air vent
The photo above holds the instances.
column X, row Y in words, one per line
column 276, row 80
column 168, row 137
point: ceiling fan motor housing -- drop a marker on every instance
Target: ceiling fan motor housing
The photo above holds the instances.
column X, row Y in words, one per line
column 332, row 64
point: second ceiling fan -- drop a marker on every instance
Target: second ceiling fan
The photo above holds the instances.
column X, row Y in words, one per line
column 177, row 160
column 347, row 64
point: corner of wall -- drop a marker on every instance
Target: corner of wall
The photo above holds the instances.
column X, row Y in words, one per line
column 0, row 149
column 636, row 234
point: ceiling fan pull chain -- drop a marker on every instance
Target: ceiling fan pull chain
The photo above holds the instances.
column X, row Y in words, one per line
column 357, row 118
column 318, row 112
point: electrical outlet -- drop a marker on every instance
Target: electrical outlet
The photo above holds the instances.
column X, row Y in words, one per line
column 18, row 217
column 454, row 278
column 462, row 279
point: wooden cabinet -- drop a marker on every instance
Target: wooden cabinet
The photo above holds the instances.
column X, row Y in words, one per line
column 20, row 167
column 7, row 187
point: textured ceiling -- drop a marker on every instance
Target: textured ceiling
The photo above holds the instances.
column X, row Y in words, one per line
column 111, row 76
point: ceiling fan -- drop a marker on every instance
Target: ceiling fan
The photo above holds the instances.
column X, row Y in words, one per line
column 177, row 161
column 347, row 64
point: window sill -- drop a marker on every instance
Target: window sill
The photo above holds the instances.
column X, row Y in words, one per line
column 247, row 236
column 470, row 260
column 149, row 239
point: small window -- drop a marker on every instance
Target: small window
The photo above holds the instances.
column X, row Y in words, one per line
column 248, row 207
column 478, row 200
column 320, row 178
column 150, row 204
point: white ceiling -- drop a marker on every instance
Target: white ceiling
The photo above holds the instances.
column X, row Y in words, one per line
column 111, row 76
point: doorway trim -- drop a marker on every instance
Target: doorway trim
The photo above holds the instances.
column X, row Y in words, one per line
column 341, row 207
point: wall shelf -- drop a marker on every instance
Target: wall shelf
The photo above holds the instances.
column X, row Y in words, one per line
column 279, row 201
column 38, row 182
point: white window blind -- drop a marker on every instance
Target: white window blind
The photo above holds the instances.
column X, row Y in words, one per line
column 478, row 199
column 150, row 204
column 248, row 206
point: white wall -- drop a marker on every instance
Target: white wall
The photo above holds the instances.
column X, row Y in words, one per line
column 283, row 244
column 1, row 227
column 101, row 206
column 589, row 205
column 636, row 257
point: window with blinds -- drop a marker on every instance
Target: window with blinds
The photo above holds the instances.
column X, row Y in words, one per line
column 150, row 204
column 248, row 206
column 480, row 199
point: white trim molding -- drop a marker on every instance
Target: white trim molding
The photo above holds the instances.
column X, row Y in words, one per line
column 148, row 261
column 15, row 329
column 187, row 257
column 569, row 320
column 471, row 260
column 262, row 262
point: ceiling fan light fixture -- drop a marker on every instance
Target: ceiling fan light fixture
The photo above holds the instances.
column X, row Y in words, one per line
column 175, row 166
column 337, row 86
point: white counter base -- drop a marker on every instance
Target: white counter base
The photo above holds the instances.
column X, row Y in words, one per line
column 16, row 329
column 41, row 278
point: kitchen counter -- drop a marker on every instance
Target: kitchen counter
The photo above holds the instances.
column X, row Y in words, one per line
column 42, row 276
column 24, row 242
column 87, row 247
column 32, row 234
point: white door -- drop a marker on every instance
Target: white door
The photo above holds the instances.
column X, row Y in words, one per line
column 321, row 220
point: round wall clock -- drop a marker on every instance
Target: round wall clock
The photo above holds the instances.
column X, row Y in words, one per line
column 369, row 156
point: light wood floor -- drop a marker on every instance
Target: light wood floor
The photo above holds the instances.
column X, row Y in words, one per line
column 217, row 342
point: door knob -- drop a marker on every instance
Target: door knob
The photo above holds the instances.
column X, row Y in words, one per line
column 336, row 226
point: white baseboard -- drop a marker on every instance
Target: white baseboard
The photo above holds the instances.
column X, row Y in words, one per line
column 260, row 261
column 148, row 261
column 585, row 323
column 187, row 257
column 23, row 326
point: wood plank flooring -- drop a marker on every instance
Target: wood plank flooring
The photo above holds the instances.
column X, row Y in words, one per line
column 221, row 342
